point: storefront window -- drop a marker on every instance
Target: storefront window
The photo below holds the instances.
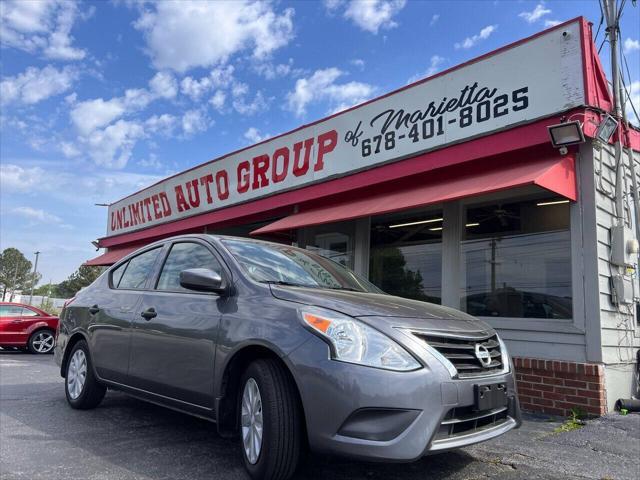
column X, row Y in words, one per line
column 516, row 259
column 334, row 241
column 406, row 255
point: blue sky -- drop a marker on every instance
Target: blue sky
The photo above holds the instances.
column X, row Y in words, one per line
column 102, row 98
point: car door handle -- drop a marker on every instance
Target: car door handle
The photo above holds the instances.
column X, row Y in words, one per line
column 149, row 313
column 94, row 309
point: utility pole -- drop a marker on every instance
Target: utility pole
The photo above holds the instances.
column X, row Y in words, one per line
column 613, row 29
column 33, row 278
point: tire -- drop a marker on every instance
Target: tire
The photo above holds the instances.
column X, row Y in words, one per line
column 42, row 342
column 279, row 451
column 81, row 387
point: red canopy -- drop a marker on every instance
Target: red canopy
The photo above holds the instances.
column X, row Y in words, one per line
column 111, row 256
column 556, row 174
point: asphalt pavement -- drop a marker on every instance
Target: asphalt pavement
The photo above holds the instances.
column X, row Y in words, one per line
column 127, row 439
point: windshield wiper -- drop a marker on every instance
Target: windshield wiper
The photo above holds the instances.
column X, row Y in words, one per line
column 349, row 289
column 287, row 284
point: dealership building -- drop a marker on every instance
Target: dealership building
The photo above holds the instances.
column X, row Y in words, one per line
column 450, row 190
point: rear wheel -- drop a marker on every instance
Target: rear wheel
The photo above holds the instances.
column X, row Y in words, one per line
column 270, row 421
column 41, row 341
column 81, row 386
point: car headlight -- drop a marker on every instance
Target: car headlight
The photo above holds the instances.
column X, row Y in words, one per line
column 354, row 342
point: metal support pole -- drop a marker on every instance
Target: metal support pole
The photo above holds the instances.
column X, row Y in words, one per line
column 611, row 12
column 33, row 278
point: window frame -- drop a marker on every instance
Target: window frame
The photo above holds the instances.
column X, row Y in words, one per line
column 127, row 260
column 169, row 246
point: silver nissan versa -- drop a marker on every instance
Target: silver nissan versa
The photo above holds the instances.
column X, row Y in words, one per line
column 285, row 349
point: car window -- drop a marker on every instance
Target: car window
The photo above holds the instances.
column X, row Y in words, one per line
column 16, row 311
column 138, row 270
column 116, row 275
column 181, row 257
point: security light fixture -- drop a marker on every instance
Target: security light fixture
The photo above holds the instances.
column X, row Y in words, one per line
column 567, row 133
column 606, row 128
column 474, row 224
column 435, row 229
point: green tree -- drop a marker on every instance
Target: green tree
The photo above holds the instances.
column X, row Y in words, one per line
column 15, row 271
column 81, row 278
column 388, row 270
column 46, row 290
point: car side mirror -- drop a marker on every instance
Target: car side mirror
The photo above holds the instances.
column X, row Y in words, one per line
column 201, row 280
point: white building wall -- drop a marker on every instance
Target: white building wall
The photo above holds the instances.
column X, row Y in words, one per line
column 619, row 331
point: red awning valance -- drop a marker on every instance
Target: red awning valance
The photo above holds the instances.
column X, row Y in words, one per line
column 556, row 174
column 111, row 256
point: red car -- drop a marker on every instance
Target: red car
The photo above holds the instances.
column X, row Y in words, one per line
column 24, row 326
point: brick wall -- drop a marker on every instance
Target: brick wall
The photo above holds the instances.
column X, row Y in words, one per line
column 555, row 387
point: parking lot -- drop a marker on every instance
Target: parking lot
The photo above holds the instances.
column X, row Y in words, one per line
column 42, row 438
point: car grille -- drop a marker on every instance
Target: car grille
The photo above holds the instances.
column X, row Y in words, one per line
column 460, row 351
column 464, row 420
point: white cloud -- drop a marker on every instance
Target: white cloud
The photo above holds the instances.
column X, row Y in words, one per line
column 369, row 15
column 163, row 124
column 194, row 121
column 35, row 85
column 151, row 162
column 434, row 66
column 36, row 215
column 322, row 86
column 89, row 115
column 631, row 45
column 181, row 35
column 14, row 178
column 43, row 26
column 551, row 23
column 634, row 95
column 270, row 70
column 69, row 150
column 218, row 77
column 112, row 146
column 254, row 136
column 217, row 100
column 164, row 85
column 245, row 107
column 70, row 186
column 434, row 19
column 358, row 62
column 92, row 114
column 536, row 14
column 473, row 40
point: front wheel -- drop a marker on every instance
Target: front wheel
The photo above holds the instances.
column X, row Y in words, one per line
column 81, row 386
column 270, row 421
column 41, row 341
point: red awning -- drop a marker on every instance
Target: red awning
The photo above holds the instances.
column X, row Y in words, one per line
column 111, row 256
column 556, row 174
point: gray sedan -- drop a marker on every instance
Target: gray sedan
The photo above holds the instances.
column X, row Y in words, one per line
column 287, row 349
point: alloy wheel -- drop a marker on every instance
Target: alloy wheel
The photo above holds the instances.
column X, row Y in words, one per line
column 43, row 342
column 76, row 374
column 251, row 421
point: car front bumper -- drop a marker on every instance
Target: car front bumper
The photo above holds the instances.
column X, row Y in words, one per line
column 376, row 414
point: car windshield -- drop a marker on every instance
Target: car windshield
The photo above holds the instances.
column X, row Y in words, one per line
column 285, row 265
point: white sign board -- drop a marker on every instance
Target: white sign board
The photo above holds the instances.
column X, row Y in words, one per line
column 533, row 79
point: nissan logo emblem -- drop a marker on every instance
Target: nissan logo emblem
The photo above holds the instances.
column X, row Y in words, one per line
column 483, row 355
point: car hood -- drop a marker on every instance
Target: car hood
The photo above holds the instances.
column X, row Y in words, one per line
column 394, row 311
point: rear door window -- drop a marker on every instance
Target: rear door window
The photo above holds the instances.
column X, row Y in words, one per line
column 138, row 270
column 183, row 256
column 116, row 275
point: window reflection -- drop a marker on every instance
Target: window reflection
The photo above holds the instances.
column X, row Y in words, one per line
column 517, row 260
column 406, row 255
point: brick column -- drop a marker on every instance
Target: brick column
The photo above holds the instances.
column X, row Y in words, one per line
column 555, row 387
